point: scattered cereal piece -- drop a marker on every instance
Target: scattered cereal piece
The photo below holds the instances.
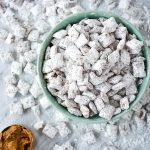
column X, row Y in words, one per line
column 7, row 56
column 63, row 129
column 23, row 87
column 110, row 147
column 35, row 90
column 30, row 56
column 10, row 79
column 30, row 68
column 18, row 30
column 124, row 127
column 16, row 68
column 28, row 102
column 124, row 4
column 36, row 110
column 11, row 90
column 50, row 131
column 44, row 103
column 89, row 137
column 23, row 46
column 65, row 146
column 16, row 108
column 39, row 125
column 112, row 131
column 42, row 25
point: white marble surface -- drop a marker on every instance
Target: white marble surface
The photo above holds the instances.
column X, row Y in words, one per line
column 138, row 139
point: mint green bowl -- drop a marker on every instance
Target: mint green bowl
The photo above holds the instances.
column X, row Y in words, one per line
column 75, row 19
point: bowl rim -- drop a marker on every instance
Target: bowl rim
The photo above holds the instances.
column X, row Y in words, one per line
column 70, row 20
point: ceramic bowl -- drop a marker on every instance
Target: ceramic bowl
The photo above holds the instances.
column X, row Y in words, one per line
column 75, row 19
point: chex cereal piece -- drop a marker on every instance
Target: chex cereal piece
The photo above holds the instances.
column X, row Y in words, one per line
column 112, row 131
column 138, row 69
column 23, row 46
column 10, row 79
column 33, row 35
column 18, row 30
column 135, row 46
column 35, row 90
column 89, row 137
column 38, row 125
column 106, row 39
column 63, row 129
column 23, row 87
column 44, row 103
column 124, row 103
column 110, row 25
column 72, row 90
column 30, row 68
column 110, row 147
column 16, row 108
column 125, row 57
column 16, row 68
column 22, row 61
column 60, row 34
column 93, row 107
column 121, row 32
column 118, row 86
column 99, row 103
column 124, row 128
column 72, row 52
column 82, row 100
column 7, row 56
column 65, row 146
column 92, row 56
column 81, row 40
column 30, row 55
column 11, row 90
column 3, row 34
column 107, row 112
column 28, row 102
column 113, row 57
column 74, row 111
column 85, row 111
column 36, row 110
column 50, row 131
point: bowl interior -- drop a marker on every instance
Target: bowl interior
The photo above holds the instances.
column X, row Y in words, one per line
column 75, row 19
